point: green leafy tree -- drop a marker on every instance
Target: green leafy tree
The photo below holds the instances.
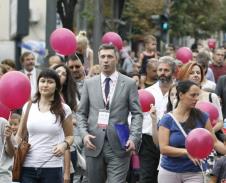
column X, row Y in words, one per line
column 138, row 14
column 198, row 19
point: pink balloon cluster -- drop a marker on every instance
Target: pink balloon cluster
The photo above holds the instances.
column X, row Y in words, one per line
column 199, row 143
column 63, row 41
column 113, row 38
column 146, row 99
column 184, row 54
column 15, row 90
column 210, row 109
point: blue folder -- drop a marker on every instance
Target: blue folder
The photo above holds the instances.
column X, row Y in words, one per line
column 122, row 131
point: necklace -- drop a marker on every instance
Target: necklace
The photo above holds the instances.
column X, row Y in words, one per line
column 43, row 108
column 181, row 117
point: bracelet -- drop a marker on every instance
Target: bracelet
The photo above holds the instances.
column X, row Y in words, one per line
column 67, row 145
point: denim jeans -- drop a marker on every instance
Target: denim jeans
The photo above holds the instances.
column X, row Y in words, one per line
column 41, row 175
column 74, row 159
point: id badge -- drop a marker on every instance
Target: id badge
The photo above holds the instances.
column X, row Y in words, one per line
column 103, row 118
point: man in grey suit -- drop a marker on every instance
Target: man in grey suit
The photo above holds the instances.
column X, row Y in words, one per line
column 107, row 100
column 27, row 61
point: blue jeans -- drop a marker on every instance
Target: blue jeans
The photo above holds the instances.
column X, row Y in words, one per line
column 74, row 159
column 41, row 175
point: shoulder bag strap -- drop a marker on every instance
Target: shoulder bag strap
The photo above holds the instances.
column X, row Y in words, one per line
column 178, row 125
column 210, row 98
column 24, row 132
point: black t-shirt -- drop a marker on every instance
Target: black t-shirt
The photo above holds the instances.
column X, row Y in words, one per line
column 144, row 63
column 81, row 57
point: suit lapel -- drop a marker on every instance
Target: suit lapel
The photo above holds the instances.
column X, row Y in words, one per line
column 118, row 89
column 98, row 90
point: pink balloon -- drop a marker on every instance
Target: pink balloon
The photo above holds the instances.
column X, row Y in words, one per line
column 199, row 143
column 184, row 54
column 4, row 111
column 212, row 43
column 63, row 41
column 210, row 109
column 135, row 161
column 15, row 89
column 113, row 38
column 146, row 99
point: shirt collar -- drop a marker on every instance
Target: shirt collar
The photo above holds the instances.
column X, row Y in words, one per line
column 113, row 77
column 32, row 72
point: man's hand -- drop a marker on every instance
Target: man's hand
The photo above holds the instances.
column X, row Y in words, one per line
column 87, row 142
column 130, row 146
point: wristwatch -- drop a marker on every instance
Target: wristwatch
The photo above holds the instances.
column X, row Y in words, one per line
column 67, row 145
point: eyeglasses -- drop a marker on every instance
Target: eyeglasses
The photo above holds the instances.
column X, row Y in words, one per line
column 74, row 66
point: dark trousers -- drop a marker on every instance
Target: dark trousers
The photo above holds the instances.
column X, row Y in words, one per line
column 149, row 159
column 41, row 175
column 74, row 164
column 132, row 176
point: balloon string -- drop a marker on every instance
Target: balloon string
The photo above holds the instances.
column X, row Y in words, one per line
column 10, row 113
column 203, row 173
column 4, row 140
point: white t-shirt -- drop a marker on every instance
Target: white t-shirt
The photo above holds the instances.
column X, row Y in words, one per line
column 147, row 123
column 208, row 85
column 5, row 162
column 160, row 99
column 44, row 133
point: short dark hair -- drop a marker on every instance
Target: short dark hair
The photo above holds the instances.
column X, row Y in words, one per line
column 73, row 57
column 109, row 47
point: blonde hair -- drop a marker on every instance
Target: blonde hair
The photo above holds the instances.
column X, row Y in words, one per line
column 94, row 70
column 149, row 38
column 82, row 39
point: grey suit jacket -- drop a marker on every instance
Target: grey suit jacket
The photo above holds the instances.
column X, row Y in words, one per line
column 125, row 100
column 36, row 70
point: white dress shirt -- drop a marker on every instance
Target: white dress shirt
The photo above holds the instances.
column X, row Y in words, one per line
column 113, row 82
column 33, row 81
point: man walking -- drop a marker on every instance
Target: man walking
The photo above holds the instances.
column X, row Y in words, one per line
column 28, row 63
column 149, row 153
column 106, row 101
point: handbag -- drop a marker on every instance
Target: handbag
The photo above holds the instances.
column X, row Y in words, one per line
column 21, row 151
column 81, row 161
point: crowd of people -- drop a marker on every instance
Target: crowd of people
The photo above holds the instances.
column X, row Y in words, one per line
column 75, row 109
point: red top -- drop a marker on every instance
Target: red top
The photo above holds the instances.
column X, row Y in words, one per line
column 218, row 70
